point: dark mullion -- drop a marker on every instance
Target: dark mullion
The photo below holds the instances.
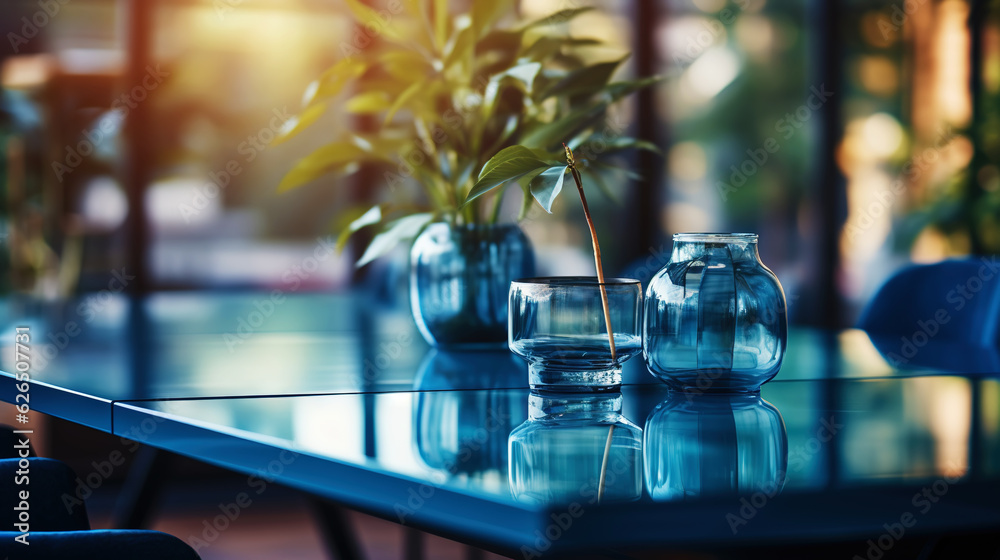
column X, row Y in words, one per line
column 978, row 15
column 649, row 14
column 829, row 205
column 137, row 133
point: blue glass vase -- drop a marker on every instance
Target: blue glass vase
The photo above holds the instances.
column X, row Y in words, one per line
column 715, row 316
column 459, row 280
column 702, row 445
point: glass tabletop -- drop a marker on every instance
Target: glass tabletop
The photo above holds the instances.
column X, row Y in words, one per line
column 100, row 348
column 640, row 448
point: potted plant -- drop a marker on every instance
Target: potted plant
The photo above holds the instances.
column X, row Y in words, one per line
column 444, row 92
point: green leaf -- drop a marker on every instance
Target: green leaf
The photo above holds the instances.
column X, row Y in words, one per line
column 545, row 47
column 617, row 90
column 400, row 230
column 585, row 81
column 508, row 129
column 547, row 185
column 299, row 122
column 333, row 80
column 551, row 134
column 524, row 74
column 503, row 41
column 369, row 218
column 368, row 102
column 337, row 156
column 441, row 21
column 371, row 19
column 562, row 16
column 628, row 143
column 461, row 49
column 403, row 99
column 509, row 164
column 486, row 13
column 527, row 200
column 406, row 66
column 415, row 7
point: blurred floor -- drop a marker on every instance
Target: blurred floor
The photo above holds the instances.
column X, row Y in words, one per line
column 279, row 524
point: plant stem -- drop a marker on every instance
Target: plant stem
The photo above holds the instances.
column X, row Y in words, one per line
column 604, row 463
column 597, row 249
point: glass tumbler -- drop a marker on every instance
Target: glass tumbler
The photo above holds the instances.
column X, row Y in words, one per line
column 558, row 325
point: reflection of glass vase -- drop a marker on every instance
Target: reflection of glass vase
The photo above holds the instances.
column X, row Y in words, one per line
column 699, row 445
column 462, row 431
column 575, row 448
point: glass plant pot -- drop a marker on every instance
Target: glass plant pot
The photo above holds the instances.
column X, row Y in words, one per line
column 459, row 279
column 575, row 448
column 715, row 316
column 698, row 445
column 558, row 325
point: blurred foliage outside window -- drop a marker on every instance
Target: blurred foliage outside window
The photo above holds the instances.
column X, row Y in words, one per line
column 736, row 117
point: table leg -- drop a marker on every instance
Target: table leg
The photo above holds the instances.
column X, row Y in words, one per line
column 413, row 544
column 140, row 492
column 336, row 529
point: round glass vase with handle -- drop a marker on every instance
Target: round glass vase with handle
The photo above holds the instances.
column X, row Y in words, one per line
column 459, row 280
column 715, row 318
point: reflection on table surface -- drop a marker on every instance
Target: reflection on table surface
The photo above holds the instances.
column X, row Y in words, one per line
column 642, row 443
column 178, row 345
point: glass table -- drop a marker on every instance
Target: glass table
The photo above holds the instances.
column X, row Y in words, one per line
column 338, row 396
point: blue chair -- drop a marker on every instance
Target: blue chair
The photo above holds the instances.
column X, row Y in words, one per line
column 955, row 301
column 59, row 529
column 96, row 545
column 940, row 316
